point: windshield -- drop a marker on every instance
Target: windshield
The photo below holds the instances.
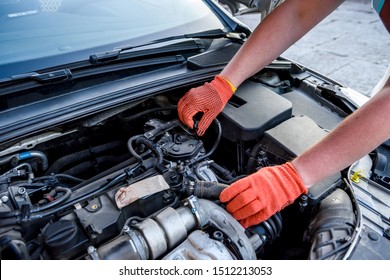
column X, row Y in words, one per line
column 63, row 31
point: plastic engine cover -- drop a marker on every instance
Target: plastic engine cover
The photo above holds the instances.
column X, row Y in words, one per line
column 252, row 110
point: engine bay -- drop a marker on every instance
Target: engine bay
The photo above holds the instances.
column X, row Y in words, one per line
column 135, row 183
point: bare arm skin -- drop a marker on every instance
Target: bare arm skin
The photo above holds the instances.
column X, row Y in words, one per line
column 355, row 137
column 279, row 30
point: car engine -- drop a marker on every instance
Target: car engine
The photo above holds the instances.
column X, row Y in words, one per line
column 135, row 183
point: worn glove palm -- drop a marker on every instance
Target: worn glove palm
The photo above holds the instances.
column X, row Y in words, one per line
column 257, row 197
column 210, row 99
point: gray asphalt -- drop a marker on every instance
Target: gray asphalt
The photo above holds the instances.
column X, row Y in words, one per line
column 350, row 46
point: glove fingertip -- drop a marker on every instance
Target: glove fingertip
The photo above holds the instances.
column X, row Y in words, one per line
column 227, row 194
column 187, row 116
column 248, row 222
column 189, row 122
column 254, row 219
column 245, row 223
column 233, row 190
column 182, row 102
column 200, row 132
column 202, row 127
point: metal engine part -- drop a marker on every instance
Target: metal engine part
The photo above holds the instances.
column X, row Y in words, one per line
column 156, row 236
column 199, row 246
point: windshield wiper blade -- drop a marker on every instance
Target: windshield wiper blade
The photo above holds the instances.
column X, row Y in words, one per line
column 47, row 77
column 210, row 34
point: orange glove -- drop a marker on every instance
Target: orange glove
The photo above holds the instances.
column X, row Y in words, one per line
column 257, row 197
column 210, row 99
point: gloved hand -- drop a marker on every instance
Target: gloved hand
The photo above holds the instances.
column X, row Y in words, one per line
column 210, row 99
column 257, row 197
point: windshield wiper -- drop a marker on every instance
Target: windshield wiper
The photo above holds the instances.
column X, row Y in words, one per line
column 47, row 77
column 210, row 34
column 140, row 58
column 148, row 56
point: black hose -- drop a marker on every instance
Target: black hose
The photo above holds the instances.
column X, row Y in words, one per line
column 81, row 155
column 59, row 176
column 105, row 187
column 204, row 189
column 8, row 159
column 69, row 177
column 92, row 164
column 223, row 171
column 29, row 185
column 43, row 157
column 253, row 157
column 95, row 192
column 223, row 181
column 14, row 217
column 131, row 148
column 55, row 202
column 14, row 214
column 153, row 147
column 140, row 139
column 213, row 148
column 105, row 173
column 165, row 127
column 149, row 111
column 27, row 155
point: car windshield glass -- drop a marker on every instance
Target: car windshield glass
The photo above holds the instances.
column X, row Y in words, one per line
column 35, row 29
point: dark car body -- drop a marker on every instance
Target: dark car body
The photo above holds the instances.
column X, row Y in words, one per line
column 94, row 163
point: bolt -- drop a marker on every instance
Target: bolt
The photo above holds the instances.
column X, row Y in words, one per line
column 241, row 242
column 373, row 236
column 303, row 203
column 94, row 207
column 176, row 148
column 91, row 249
column 22, row 190
column 133, row 222
column 4, row 199
column 217, row 235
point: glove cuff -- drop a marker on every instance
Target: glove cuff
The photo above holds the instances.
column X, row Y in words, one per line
column 224, row 88
column 293, row 182
column 229, row 82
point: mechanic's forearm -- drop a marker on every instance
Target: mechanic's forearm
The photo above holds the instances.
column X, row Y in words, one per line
column 280, row 29
column 355, row 137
